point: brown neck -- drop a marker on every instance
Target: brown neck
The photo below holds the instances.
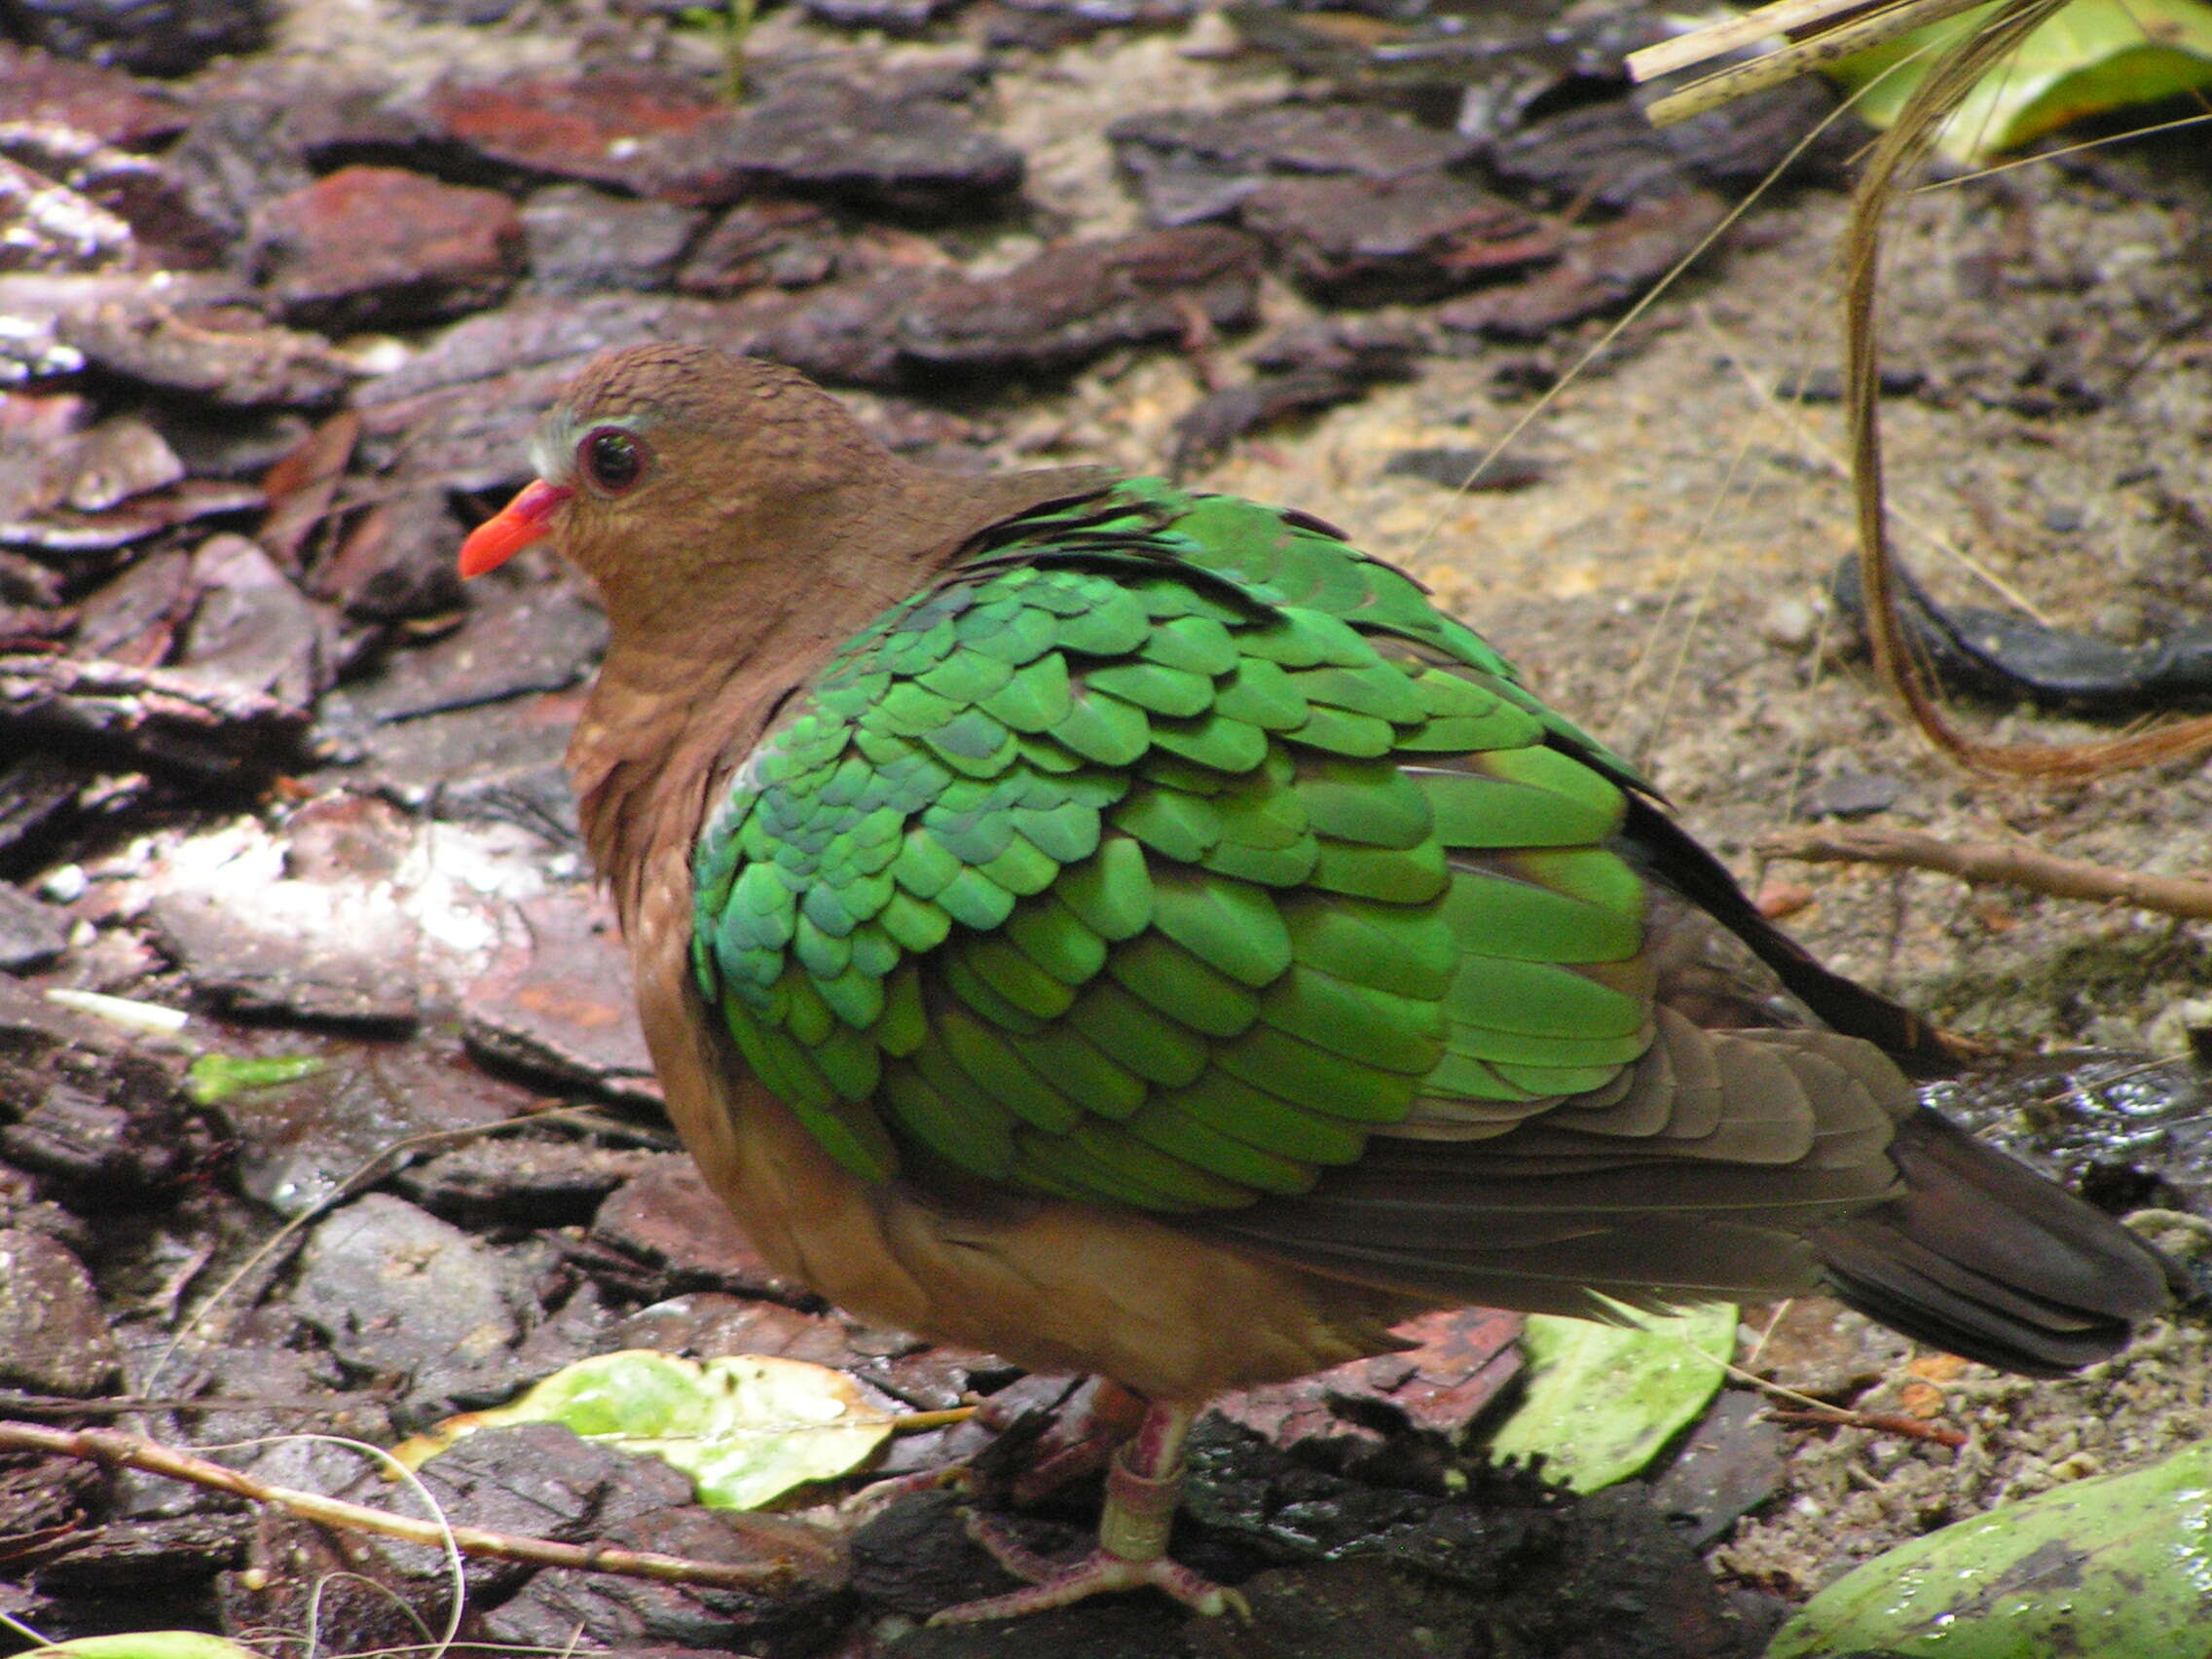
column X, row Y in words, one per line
column 689, row 685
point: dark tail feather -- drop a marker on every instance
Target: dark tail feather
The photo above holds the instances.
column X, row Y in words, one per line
column 1984, row 1258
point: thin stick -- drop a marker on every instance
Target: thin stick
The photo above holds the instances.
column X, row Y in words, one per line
column 1734, row 34
column 1884, row 1422
column 130, row 1451
column 2000, row 862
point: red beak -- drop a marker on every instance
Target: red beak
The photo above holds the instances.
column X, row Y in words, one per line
column 524, row 520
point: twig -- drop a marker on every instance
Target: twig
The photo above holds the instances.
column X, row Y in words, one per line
column 2003, row 861
column 1884, row 1422
column 130, row 1451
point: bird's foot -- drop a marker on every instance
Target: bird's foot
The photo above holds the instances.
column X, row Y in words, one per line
column 1060, row 1584
column 1144, row 1486
column 857, row 1510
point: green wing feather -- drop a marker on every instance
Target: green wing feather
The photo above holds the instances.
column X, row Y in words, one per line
column 1160, row 854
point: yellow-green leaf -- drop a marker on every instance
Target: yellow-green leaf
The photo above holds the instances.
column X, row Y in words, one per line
column 216, row 1078
column 2092, row 57
column 747, row 1428
column 2115, row 1568
column 1603, row 1399
column 145, row 1644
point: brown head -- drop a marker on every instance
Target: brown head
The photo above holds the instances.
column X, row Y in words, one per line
column 671, row 474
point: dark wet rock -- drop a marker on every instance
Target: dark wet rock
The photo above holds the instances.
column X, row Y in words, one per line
column 47, row 227
column 242, row 151
column 521, row 1179
column 1731, row 1463
column 53, row 1337
column 118, row 458
column 712, row 1324
column 60, row 531
column 116, row 1128
column 40, row 90
column 1456, row 469
column 381, row 247
column 1610, row 152
column 298, row 1140
column 1058, row 310
column 1041, row 25
column 647, row 130
column 500, row 764
column 669, row 1217
column 1600, row 268
column 1460, row 1359
column 155, row 202
column 134, row 620
column 533, row 1481
column 396, row 1289
column 395, row 560
column 892, row 17
column 252, row 630
column 898, row 143
column 1193, row 165
column 147, row 1555
column 1848, row 792
column 915, row 1557
column 43, row 1502
column 762, row 243
column 793, row 1619
column 1417, row 237
column 148, row 37
column 155, row 334
column 155, row 717
column 31, row 934
column 36, row 791
column 1311, row 367
column 228, row 443
column 580, row 239
column 556, row 1000
column 519, row 639
column 313, row 952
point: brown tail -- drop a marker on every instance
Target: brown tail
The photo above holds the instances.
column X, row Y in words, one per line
column 1983, row 1257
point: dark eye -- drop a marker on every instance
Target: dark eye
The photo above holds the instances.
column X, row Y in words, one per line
column 612, row 460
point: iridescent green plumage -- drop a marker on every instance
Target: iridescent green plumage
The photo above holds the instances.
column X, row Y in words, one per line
column 1157, row 854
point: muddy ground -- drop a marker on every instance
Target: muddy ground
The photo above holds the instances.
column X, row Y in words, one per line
column 1661, row 570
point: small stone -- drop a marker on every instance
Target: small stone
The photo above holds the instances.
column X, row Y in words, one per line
column 1789, row 623
column 48, row 227
column 393, row 1288
column 1415, row 238
column 40, row 90
column 31, row 934
column 381, row 247
column 148, row 37
column 764, row 243
column 670, row 1218
column 54, row 1334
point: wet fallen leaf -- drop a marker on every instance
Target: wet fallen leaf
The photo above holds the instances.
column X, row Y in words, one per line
column 746, row 1428
column 216, row 1078
column 2093, row 57
column 1603, row 1399
column 145, row 1644
column 2107, row 1568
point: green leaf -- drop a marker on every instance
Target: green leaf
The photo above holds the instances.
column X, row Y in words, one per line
column 746, row 1428
column 1602, row 1400
column 2113, row 1568
column 217, row 1078
column 2092, row 57
column 145, row 1644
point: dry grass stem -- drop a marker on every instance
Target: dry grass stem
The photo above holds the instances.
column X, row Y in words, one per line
column 2002, row 862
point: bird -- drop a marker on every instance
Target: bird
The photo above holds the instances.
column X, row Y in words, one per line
column 1134, row 932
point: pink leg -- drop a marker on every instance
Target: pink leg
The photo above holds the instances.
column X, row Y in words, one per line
column 1144, row 1484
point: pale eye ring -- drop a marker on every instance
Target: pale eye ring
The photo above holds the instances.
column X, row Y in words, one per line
column 611, row 459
